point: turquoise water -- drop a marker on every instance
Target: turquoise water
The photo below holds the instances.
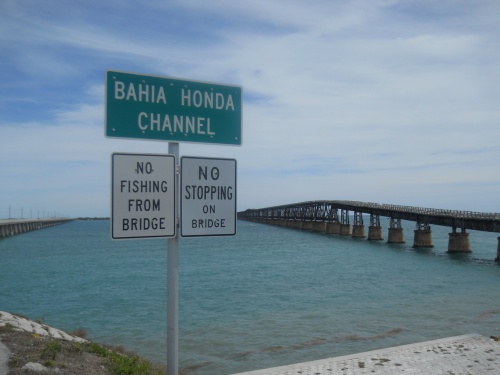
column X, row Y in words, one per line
column 267, row 297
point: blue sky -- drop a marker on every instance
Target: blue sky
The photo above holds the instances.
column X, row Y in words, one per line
column 382, row 101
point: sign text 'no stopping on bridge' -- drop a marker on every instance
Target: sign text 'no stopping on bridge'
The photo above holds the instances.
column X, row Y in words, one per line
column 208, row 197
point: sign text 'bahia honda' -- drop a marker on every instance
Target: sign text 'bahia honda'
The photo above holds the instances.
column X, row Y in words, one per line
column 170, row 109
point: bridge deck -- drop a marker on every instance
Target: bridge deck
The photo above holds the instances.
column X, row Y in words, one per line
column 322, row 210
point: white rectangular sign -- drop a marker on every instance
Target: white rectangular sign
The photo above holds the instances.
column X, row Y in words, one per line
column 143, row 196
column 208, row 197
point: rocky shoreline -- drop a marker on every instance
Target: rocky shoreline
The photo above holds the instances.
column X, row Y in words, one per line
column 30, row 347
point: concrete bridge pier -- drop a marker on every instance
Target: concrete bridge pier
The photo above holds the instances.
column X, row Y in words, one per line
column 319, row 226
column 396, row 233
column 375, row 229
column 375, row 233
column 459, row 242
column 333, row 227
column 423, row 235
column 358, row 228
column 345, row 227
column 358, row 231
column 307, row 225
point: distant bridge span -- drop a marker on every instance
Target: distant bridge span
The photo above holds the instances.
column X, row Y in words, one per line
column 11, row 227
column 324, row 216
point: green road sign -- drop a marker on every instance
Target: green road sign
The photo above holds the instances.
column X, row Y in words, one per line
column 170, row 109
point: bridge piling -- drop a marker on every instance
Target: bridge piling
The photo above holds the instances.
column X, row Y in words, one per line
column 422, row 238
column 375, row 229
column 396, row 233
column 358, row 228
column 497, row 259
column 345, row 227
column 375, row 233
column 307, row 225
column 459, row 242
column 423, row 235
column 333, row 227
column 358, row 231
column 319, row 226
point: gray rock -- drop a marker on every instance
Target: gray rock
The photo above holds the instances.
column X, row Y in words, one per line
column 37, row 367
column 4, row 359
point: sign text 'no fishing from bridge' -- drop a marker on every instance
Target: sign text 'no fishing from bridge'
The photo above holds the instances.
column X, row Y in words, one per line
column 169, row 109
column 143, row 196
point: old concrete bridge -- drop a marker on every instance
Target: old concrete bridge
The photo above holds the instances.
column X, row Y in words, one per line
column 323, row 216
column 11, row 227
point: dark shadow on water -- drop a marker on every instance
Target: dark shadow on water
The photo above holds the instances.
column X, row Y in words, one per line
column 397, row 246
column 467, row 258
column 239, row 356
column 460, row 257
column 318, row 341
column 401, row 247
column 424, row 250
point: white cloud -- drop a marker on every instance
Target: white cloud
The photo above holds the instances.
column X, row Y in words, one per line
column 364, row 100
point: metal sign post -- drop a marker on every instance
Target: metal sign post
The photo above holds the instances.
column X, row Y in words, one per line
column 173, row 281
column 145, row 189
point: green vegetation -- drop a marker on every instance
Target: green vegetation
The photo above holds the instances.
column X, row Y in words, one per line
column 118, row 361
column 72, row 356
column 49, row 352
column 123, row 364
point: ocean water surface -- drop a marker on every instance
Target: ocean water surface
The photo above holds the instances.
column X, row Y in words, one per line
column 268, row 296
